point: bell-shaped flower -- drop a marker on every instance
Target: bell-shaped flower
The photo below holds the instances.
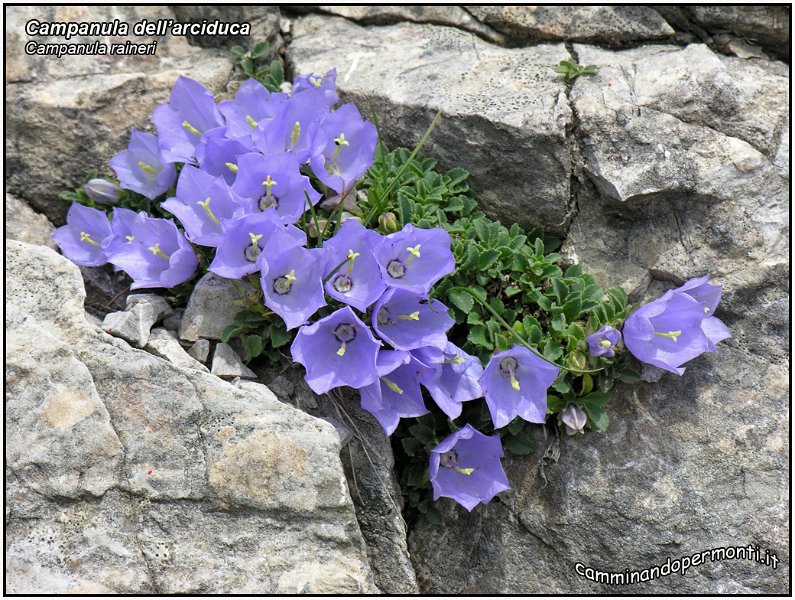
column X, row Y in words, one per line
column 466, row 467
column 253, row 105
column 218, row 156
column 515, row 384
column 141, row 167
column 344, row 147
column 317, row 89
column 603, row 342
column 85, row 237
column 670, row 331
column 407, row 320
column 415, row 259
column 189, row 114
column 709, row 295
column 202, row 201
column 397, row 391
column 292, row 279
column 292, row 129
column 337, row 350
column 102, row 191
column 358, row 282
column 574, row 418
column 121, row 225
column 240, row 251
column 452, row 377
column 274, row 181
column 157, row 256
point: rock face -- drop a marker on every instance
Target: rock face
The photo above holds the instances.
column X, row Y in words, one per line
column 126, row 474
column 26, row 225
column 503, row 115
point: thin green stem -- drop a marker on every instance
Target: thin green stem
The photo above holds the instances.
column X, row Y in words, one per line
column 377, row 204
column 518, row 338
column 314, row 218
column 334, row 270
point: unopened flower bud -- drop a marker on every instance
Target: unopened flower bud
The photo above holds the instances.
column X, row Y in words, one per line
column 312, row 230
column 388, row 222
column 102, row 191
column 577, row 361
column 574, row 418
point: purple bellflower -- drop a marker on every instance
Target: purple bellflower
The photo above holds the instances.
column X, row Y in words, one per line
column 189, row 114
column 574, row 418
column 415, row 259
column 358, row 282
column 603, row 342
column 515, row 384
column 218, row 156
column 253, row 105
column 450, row 376
column 202, row 201
column 157, row 256
column 466, row 467
column 274, row 181
column 292, row 279
column 141, row 167
column 709, row 295
column 85, row 237
column 344, row 147
column 337, row 350
column 239, row 252
column 670, row 331
column 102, row 191
column 318, row 89
column 293, row 128
column 408, row 321
column 121, row 225
column 397, row 391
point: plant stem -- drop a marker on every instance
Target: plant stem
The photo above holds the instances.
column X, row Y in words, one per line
column 314, row 218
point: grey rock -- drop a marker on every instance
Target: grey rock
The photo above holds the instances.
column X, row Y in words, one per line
column 26, row 225
column 450, row 16
column 504, row 111
column 164, row 343
column 200, row 350
column 767, row 25
column 609, row 25
column 173, row 321
column 151, row 304
column 96, row 99
column 264, row 22
column 227, row 363
column 126, row 474
column 106, row 289
column 213, row 305
column 135, row 323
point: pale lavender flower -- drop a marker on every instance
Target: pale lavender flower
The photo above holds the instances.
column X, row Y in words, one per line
column 415, row 259
column 102, row 191
column 574, row 418
column 253, row 105
column 407, row 320
column 85, row 237
column 604, row 341
column 218, row 156
column 451, row 377
column 141, row 167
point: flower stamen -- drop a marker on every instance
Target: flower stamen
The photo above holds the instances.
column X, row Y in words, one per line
column 147, row 168
column 669, row 334
column 296, row 133
column 158, row 252
column 413, row 253
column 84, row 237
column 415, row 316
column 252, row 123
column 351, row 258
column 392, row 386
column 191, row 128
column 232, row 167
column 206, row 206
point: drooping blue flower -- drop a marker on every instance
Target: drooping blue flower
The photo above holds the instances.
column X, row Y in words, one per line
column 415, row 259
column 337, row 350
column 466, row 467
column 121, row 225
column 274, row 181
column 201, row 203
column 189, row 114
column 85, row 237
column 239, row 252
column 451, row 376
column 343, row 147
column 603, row 342
column 141, row 167
column 218, row 156
column 709, row 295
column 670, row 331
column 292, row 279
column 102, row 191
column 574, row 418
column 253, row 105
column 397, row 391
column 515, row 384
column 407, row 320
column 317, row 89
column 359, row 281
column 157, row 256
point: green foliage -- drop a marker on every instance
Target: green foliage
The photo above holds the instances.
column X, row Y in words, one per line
column 254, row 64
column 571, row 70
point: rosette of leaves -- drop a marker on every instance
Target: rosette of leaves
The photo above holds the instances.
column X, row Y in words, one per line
column 254, row 64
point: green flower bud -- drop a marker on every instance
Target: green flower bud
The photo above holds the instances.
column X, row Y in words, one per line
column 388, row 222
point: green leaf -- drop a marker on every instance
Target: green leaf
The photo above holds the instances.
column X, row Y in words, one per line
column 279, row 337
column 517, row 444
column 461, row 299
column 277, row 71
column 555, row 404
column 434, row 515
column 417, row 474
column 477, row 336
column 482, row 229
column 597, row 416
column 237, row 50
column 552, row 351
column 411, row 445
column 260, row 49
column 488, row 258
column 253, row 345
column 516, row 425
column 231, row 331
column 423, row 433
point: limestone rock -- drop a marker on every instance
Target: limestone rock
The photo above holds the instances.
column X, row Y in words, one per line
column 200, row 350
column 227, row 363
column 135, row 323
column 173, row 321
column 609, row 25
column 213, row 305
column 504, row 111
column 767, row 25
column 126, row 474
column 26, row 225
column 92, row 100
column 264, row 22
column 165, row 344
